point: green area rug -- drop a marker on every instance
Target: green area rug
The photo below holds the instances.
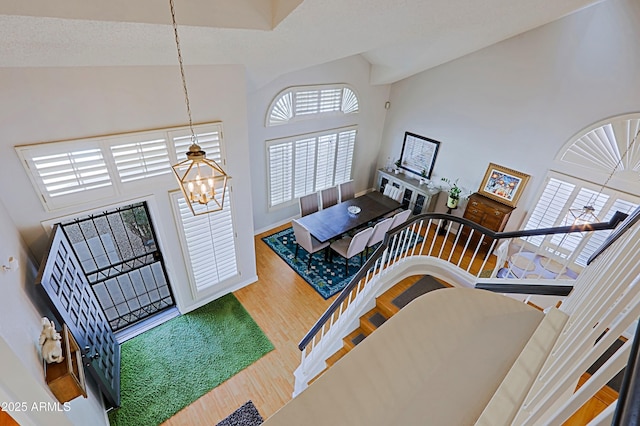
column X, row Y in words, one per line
column 165, row 369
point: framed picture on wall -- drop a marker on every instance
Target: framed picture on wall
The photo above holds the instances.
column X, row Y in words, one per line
column 503, row 184
column 418, row 154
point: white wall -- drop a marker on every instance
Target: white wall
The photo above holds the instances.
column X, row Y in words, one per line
column 48, row 104
column 370, row 119
column 517, row 102
column 21, row 371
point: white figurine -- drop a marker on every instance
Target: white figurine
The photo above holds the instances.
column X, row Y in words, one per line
column 50, row 342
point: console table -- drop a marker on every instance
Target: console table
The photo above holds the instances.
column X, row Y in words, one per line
column 415, row 197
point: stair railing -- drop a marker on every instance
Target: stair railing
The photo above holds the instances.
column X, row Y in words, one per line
column 471, row 253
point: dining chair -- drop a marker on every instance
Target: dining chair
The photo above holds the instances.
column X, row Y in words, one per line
column 400, row 218
column 329, row 197
column 377, row 235
column 308, row 204
column 348, row 247
column 305, row 240
column 347, row 191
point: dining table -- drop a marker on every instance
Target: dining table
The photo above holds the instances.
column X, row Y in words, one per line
column 332, row 222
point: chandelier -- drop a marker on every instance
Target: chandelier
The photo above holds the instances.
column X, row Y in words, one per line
column 202, row 181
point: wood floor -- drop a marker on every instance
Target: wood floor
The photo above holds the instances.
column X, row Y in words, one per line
column 285, row 307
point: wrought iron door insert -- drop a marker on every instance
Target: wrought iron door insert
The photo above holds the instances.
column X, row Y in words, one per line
column 120, row 258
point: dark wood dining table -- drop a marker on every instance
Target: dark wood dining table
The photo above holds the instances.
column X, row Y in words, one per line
column 332, row 222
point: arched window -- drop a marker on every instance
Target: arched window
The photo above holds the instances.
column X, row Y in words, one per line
column 302, row 102
column 599, row 168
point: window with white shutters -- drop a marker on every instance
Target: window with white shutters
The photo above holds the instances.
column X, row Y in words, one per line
column 208, row 244
column 562, row 193
column 303, row 102
column 304, row 164
column 75, row 172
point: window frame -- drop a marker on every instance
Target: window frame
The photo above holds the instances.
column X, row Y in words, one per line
column 286, row 103
column 577, row 255
column 118, row 184
column 291, row 140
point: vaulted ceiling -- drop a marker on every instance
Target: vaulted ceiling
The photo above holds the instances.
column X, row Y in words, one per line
column 270, row 37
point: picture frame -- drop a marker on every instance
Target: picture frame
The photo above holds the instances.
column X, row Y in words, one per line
column 503, row 184
column 418, row 153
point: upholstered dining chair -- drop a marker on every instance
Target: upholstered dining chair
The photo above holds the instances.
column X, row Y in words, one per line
column 308, row 204
column 305, row 240
column 377, row 235
column 400, row 218
column 348, row 247
column 329, row 197
column 347, row 191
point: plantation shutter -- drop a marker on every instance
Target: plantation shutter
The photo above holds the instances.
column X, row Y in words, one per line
column 208, row 243
column 280, row 172
column 550, row 206
column 64, row 173
column 325, row 161
column 344, row 156
column 306, row 102
column 209, row 140
column 305, row 155
column 139, row 159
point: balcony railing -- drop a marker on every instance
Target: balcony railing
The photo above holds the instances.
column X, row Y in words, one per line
column 456, row 250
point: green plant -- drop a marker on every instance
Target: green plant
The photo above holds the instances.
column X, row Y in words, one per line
column 454, row 189
column 423, row 173
column 398, row 163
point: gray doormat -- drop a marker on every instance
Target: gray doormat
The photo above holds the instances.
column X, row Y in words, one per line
column 247, row 415
column 420, row 287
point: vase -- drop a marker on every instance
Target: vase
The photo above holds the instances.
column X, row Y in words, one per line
column 452, row 203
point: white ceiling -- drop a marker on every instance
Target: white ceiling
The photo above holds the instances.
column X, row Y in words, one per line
column 270, row 37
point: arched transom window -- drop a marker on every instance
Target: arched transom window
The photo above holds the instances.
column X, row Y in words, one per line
column 301, row 102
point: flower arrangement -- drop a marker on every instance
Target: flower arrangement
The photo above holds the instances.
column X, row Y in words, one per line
column 454, row 189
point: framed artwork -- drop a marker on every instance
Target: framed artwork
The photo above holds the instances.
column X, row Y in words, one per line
column 503, row 185
column 418, row 154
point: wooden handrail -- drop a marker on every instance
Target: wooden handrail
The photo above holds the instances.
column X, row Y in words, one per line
column 533, row 289
column 611, row 224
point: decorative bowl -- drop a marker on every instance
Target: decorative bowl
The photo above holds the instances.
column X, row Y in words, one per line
column 354, row 209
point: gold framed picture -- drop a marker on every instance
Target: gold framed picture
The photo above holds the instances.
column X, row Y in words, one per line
column 503, row 184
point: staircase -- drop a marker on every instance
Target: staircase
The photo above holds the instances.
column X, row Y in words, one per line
column 385, row 308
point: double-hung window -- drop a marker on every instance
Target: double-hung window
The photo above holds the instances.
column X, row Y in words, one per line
column 304, row 164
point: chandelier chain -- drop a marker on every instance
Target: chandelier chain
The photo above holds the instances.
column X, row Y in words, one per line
column 182, row 75
column 622, row 157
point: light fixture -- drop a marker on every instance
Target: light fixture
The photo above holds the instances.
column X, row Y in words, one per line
column 587, row 214
column 13, row 265
column 202, row 181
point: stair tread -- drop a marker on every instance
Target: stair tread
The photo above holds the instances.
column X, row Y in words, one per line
column 372, row 320
column 336, row 356
column 355, row 337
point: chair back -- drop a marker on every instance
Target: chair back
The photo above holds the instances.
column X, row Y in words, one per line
column 347, row 191
column 392, row 192
column 329, row 197
column 308, row 204
column 387, row 189
column 359, row 242
column 400, row 218
column 303, row 236
column 378, row 231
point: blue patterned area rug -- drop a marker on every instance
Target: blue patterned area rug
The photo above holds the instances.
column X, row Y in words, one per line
column 327, row 278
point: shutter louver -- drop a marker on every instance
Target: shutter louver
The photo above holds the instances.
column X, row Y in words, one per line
column 140, row 160
column 280, row 166
column 344, row 156
column 209, row 244
column 305, row 155
column 308, row 102
column 549, row 207
column 325, row 163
